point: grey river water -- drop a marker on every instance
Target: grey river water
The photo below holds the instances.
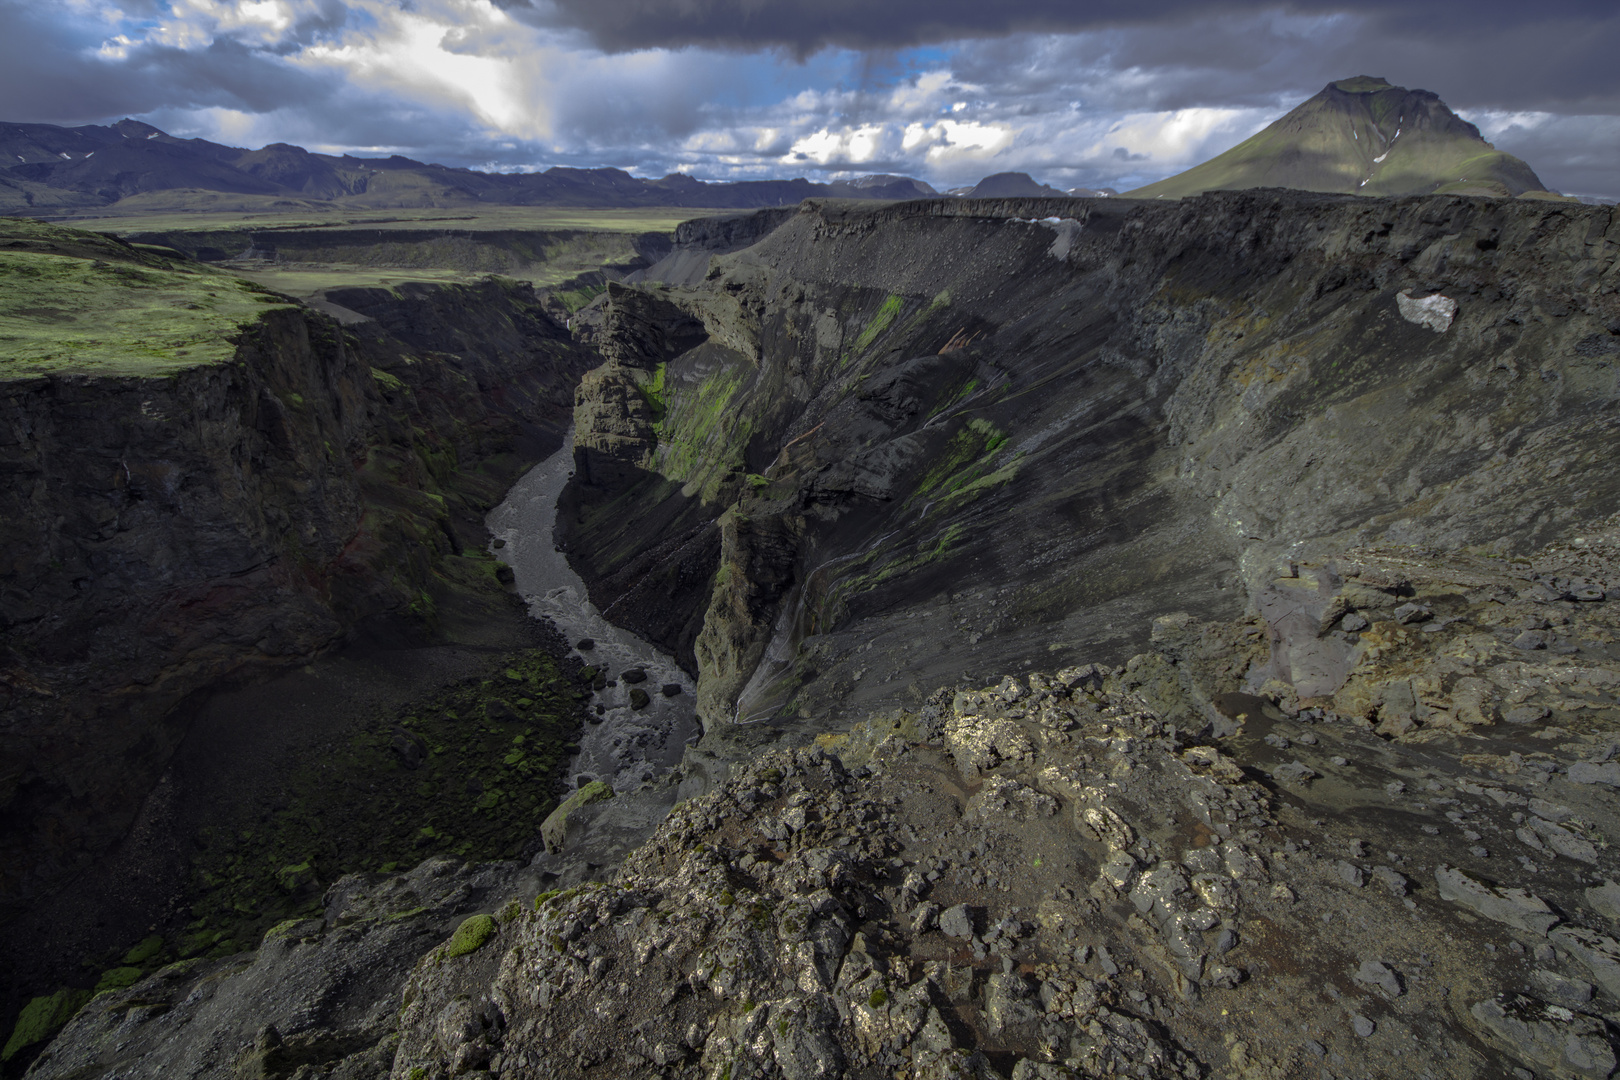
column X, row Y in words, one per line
column 632, row 750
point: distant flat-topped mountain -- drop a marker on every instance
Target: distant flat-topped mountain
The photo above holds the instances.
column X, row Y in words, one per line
column 49, row 169
column 1361, row 136
column 1011, row 185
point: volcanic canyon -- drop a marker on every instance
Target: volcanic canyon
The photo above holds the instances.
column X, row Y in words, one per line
column 1029, row 635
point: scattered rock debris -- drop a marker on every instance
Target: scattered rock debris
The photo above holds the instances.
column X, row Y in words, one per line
column 1144, row 870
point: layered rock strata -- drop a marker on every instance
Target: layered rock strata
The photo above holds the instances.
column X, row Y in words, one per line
column 930, row 438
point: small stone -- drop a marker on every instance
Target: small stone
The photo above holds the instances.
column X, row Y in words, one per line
column 1513, row 907
column 1524, row 714
column 1479, row 852
column 1394, row 882
column 956, row 922
column 1605, row 900
column 672, row 689
column 1561, row 1042
column 1410, row 613
column 1354, row 622
column 1550, row 811
column 585, row 644
column 1362, row 1026
column 1584, row 772
column 639, row 698
column 1530, row 640
column 924, row 918
column 1560, row 990
column 1295, row 771
column 1374, row 973
column 1282, row 893
column 1351, row 874
column 1339, row 761
column 633, row 675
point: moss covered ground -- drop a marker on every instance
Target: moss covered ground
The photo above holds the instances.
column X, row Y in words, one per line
column 136, row 214
column 73, row 302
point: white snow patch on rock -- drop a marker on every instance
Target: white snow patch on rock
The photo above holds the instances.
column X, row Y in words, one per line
column 1435, row 312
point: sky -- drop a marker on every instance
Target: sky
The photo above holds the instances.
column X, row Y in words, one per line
column 1079, row 93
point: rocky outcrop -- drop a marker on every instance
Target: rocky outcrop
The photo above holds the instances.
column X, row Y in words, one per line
column 1014, row 425
column 756, row 570
column 699, row 240
column 318, row 994
column 173, row 534
column 1135, row 870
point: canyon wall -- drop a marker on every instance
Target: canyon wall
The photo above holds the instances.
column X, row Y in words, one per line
column 172, row 534
column 888, row 448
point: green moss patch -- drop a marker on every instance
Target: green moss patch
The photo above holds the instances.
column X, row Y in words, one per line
column 77, row 302
column 886, row 314
column 968, row 465
column 470, row 936
column 118, row 978
column 41, row 1018
column 147, row 950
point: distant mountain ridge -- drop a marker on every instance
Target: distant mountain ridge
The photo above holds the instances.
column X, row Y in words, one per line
column 1018, row 185
column 49, row 169
column 1361, row 136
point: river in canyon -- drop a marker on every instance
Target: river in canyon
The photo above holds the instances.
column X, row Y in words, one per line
column 633, row 750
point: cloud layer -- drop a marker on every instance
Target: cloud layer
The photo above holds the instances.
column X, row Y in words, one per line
column 1089, row 94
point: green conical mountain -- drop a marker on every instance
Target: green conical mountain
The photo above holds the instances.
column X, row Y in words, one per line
column 1361, row 136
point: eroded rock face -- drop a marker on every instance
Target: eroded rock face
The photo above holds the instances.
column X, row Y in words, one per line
column 981, row 443
column 170, row 534
column 1137, row 870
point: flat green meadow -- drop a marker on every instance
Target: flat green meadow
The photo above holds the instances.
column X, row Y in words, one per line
column 79, row 303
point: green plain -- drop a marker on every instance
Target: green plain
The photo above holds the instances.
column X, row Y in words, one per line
column 136, row 218
column 79, row 303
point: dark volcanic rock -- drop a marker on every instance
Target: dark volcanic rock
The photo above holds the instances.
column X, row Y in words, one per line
column 234, row 520
column 944, row 436
column 319, row 993
column 1105, row 897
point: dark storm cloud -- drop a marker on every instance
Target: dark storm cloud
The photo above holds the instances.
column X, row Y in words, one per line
column 1487, row 53
column 807, row 25
column 1252, row 60
column 51, row 72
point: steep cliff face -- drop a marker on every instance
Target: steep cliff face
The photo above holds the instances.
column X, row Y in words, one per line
column 943, row 438
column 173, row 531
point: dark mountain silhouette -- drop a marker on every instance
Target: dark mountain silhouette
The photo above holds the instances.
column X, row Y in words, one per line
column 45, row 168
